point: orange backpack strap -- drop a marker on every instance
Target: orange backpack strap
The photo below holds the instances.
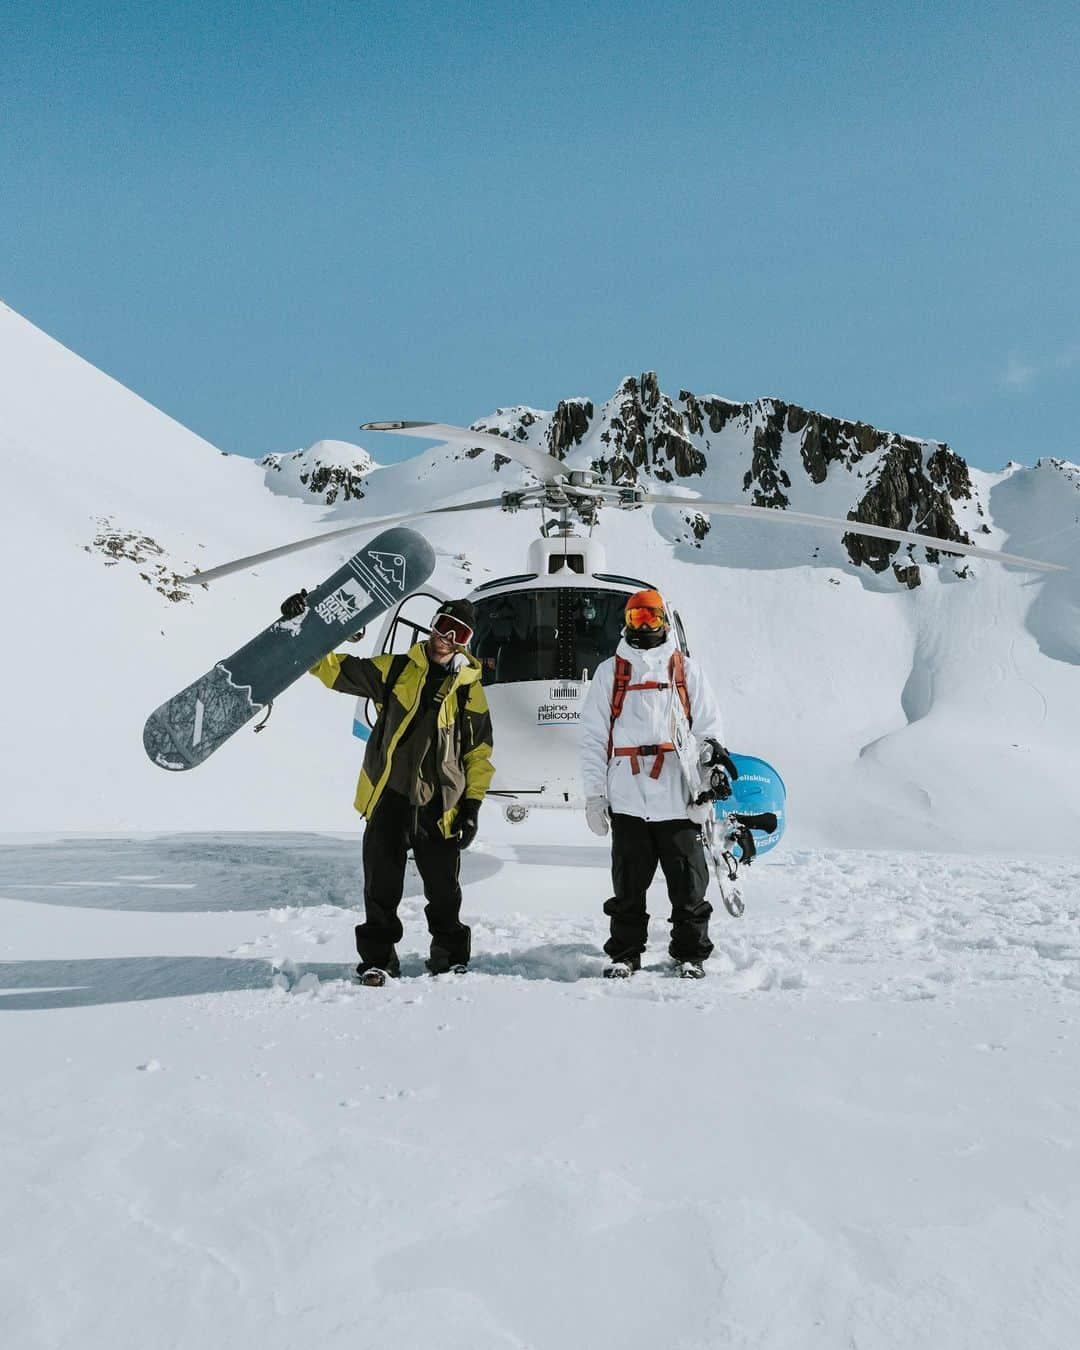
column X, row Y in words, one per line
column 618, row 697
column 677, row 676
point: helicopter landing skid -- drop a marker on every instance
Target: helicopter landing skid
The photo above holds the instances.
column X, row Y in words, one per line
column 517, row 803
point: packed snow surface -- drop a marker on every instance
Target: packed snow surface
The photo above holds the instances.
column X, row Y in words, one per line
column 860, row 1130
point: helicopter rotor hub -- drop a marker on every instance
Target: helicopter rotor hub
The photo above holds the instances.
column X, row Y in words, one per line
column 582, row 493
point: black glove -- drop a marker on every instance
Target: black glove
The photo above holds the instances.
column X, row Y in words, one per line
column 294, row 606
column 718, row 755
column 721, row 769
column 466, row 821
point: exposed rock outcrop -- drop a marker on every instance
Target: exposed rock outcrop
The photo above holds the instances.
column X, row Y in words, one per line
column 569, row 425
column 331, row 470
column 781, row 449
column 118, row 545
column 645, row 432
column 909, row 494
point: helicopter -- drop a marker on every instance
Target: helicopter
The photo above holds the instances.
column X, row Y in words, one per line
column 540, row 634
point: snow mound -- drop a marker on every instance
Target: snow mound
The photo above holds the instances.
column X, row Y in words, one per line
column 329, row 470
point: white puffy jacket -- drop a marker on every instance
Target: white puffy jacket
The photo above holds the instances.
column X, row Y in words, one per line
column 644, row 721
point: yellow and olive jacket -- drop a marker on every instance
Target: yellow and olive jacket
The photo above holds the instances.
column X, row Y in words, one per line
column 462, row 756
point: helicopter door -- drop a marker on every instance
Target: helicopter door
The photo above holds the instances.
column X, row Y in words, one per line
column 408, row 624
column 411, row 621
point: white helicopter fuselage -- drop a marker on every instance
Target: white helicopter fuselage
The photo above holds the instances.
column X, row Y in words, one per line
column 539, row 638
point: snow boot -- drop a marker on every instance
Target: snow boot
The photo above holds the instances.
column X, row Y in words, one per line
column 690, row 970
column 457, row 968
column 622, row 968
column 374, row 976
column 439, row 963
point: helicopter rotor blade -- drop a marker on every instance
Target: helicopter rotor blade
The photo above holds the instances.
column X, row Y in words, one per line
column 546, row 467
column 785, row 517
column 253, row 559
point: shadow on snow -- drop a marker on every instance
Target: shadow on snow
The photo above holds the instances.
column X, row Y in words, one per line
column 34, row 986
column 128, row 979
column 200, row 873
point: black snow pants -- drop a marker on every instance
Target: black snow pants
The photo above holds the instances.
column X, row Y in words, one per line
column 636, row 847
column 396, row 827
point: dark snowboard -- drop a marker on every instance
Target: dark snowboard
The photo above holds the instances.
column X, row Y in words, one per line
column 191, row 725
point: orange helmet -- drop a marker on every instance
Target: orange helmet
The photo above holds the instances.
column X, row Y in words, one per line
column 646, row 612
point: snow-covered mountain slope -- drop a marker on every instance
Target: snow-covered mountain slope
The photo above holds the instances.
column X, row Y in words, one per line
column 907, row 705
column 106, row 499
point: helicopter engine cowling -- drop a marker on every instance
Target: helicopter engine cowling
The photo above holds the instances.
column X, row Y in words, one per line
column 563, row 554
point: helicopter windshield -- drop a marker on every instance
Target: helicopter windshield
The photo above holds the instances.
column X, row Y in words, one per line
column 553, row 633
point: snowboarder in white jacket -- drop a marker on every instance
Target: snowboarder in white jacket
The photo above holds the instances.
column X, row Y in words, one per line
column 634, row 785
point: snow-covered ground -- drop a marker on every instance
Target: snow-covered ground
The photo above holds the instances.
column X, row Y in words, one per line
column 861, row 1130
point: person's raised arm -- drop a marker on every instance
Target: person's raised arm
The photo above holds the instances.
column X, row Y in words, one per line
column 361, row 676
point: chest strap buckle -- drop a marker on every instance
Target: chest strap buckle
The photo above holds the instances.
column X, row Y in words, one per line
column 636, row 753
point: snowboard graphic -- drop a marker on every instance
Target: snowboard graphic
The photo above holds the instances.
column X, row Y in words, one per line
column 192, row 724
column 757, row 794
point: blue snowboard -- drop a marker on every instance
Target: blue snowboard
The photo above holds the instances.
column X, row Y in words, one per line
column 758, row 790
column 192, row 724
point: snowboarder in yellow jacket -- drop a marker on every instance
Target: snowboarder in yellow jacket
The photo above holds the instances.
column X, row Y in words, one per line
column 426, row 769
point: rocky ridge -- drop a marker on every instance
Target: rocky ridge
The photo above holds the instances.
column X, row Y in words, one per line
column 769, row 453
column 780, row 449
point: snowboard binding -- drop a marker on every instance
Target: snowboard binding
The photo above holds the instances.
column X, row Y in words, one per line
column 722, row 838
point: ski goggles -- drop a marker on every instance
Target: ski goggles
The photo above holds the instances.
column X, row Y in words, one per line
column 454, row 630
column 647, row 617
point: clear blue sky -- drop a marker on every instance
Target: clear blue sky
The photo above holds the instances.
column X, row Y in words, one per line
column 277, row 220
